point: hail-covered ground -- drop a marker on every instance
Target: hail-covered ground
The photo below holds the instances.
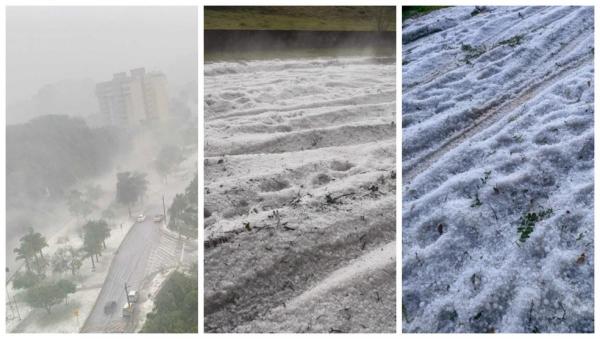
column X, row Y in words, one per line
column 299, row 193
column 498, row 152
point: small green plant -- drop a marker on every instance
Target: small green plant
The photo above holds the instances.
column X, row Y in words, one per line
column 518, row 138
column 476, row 202
column 487, row 176
column 472, row 52
column 512, row 42
column 528, row 220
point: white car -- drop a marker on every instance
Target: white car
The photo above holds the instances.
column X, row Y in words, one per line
column 158, row 218
column 132, row 297
column 140, row 218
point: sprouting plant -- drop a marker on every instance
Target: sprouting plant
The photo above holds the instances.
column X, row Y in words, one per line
column 512, row 42
column 487, row 176
column 476, row 201
column 518, row 138
column 528, row 220
column 472, row 52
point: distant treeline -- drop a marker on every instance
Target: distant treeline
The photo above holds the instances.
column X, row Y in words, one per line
column 47, row 155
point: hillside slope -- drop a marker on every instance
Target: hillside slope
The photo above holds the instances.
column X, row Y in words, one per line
column 300, row 187
column 498, row 156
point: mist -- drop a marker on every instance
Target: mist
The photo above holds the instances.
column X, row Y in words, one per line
column 82, row 45
column 101, row 151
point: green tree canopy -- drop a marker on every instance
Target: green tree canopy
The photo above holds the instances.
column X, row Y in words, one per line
column 31, row 245
column 131, row 187
column 95, row 232
column 65, row 259
column 46, row 295
column 176, row 306
column 25, row 279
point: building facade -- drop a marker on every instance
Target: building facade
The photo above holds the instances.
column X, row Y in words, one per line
column 135, row 99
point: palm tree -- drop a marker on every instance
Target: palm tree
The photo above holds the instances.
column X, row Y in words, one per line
column 38, row 242
column 25, row 252
column 131, row 187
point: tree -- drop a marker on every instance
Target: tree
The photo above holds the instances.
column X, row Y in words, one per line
column 176, row 306
column 183, row 213
column 95, row 233
column 27, row 279
column 32, row 244
column 44, row 296
column 191, row 192
column 177, row 209
column 25, row 252
column 131, row 187
column 66, row 259
column 66, row 287
column 168, row 157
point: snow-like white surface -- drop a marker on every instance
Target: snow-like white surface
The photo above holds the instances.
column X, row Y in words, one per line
column 523, row 113
column 65, row 232
column 280, row 137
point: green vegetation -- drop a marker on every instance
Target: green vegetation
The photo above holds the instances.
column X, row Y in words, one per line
column 518, row 138
column 512, row 42
column 51, row 153
column 414, row 11
column 319, row 18
column 46, row 295
column 183, row 213
column 528, row 221
column 472, row 52
column 27, row 279
column 486, row 176
column 30, row 251
column 176, row 306
column 43, row 290
column 131, row 187
column 476, row 201
column 95, row 233
column 66, row 259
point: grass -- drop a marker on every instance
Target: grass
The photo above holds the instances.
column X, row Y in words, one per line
column 319, row 18
column 512, row 42
column 528, row 221
column 415, row 11
column 472, row 52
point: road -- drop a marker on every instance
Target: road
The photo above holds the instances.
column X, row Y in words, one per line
column 129, row 266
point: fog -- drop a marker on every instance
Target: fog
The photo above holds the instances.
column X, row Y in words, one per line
column 89, row 176
column 46, row 45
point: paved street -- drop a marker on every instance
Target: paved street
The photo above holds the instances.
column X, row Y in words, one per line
column 128, row 266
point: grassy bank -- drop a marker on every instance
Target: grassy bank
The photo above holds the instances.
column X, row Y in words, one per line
column 414, row 11
column 319, row 18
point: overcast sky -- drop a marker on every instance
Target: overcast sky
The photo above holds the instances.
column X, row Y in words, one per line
column 49, row 44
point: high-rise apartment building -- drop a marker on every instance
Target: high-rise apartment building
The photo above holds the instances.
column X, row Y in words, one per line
column 139, row 98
